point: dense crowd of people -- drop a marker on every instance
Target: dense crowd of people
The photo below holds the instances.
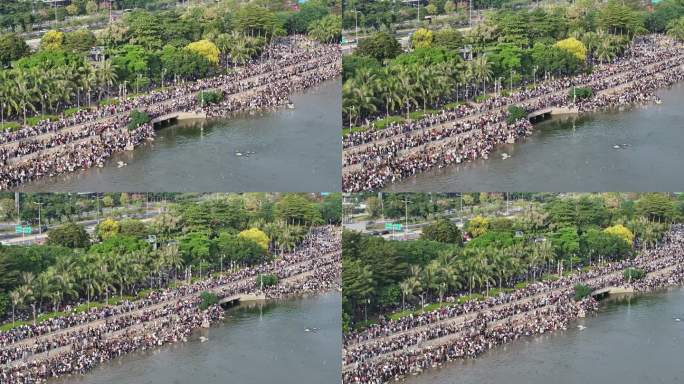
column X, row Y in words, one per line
column 375, row 157
column 90, row 137
column 104, row 333
column 392, row 349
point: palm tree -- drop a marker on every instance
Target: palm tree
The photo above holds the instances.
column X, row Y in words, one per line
column 17, row 299
column 42, row 287
column 106, row 77
column 429, row 278
column 224, row 43
column 482, row 70
column 675, row 29
column 407, row 86
column 362, row 96
column 350, row 105
column 547, row 251
column 26, row 293
column 7, row 91
column 408, row 287
column 173, row 259
column 391, row 91
column 89, row 280
column 605, row 51
column 484, row 267
column 23, row 96
column 62, row 280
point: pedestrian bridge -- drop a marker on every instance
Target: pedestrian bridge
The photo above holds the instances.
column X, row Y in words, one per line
column 174, row 117
column 545, row 113
column 611, row 291
column 235, row 299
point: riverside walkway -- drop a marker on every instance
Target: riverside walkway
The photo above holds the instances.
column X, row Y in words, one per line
column 602, row 284
column 472, row 118
column 234, row 298
column 251, row 281
column 249, row 91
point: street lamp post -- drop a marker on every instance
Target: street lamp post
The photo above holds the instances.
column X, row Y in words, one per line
column 356, row 22
column 534, row 75
column 512, row 72
column 40, row 225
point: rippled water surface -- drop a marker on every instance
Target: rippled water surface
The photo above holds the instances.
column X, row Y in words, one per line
column 632, row 341
column 283, row 150
column 255, row 344
column 577, row 154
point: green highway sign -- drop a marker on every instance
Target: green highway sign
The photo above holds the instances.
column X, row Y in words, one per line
column 393, row 227
column 21, row 229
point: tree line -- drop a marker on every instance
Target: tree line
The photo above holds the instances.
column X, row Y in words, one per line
column 127, row 257
column 499, row 252
column 142, row 50
column 509, row 48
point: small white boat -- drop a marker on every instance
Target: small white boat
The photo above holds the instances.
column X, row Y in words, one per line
column 203, row 339
column 581, row 327
column 505, row 156
column 658, row 101
column 677, row 319
column 238, row 154
column 616, row 146
column 290, row 106
column 120, row 164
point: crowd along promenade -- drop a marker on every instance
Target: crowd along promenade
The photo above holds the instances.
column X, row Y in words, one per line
column 374, row 158
column 77, row 342
column 393, row 349
column 90, row 137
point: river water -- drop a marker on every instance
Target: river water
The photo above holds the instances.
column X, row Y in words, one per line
column 293, row 150
column 629, row 341
column 255, row 344
column 577, row 154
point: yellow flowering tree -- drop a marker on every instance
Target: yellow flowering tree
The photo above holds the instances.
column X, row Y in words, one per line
column 107, row 228
column 478, row 225
column 622, row 232
column 421, row 38
column 573, row 46
column 207, row 49
column 52, row 40
column 256, row 235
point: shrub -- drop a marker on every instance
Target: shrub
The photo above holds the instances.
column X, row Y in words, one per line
column 581, row 291
column 383, row 123
column 634, row 273
column 209, row 97
column 208, row 299
column 481, row 98
column 515, row 113
column 34, row 120
column 580, row 93
column 109, row 101
column 11, row 126
column 137, row 118
column 268, row 280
